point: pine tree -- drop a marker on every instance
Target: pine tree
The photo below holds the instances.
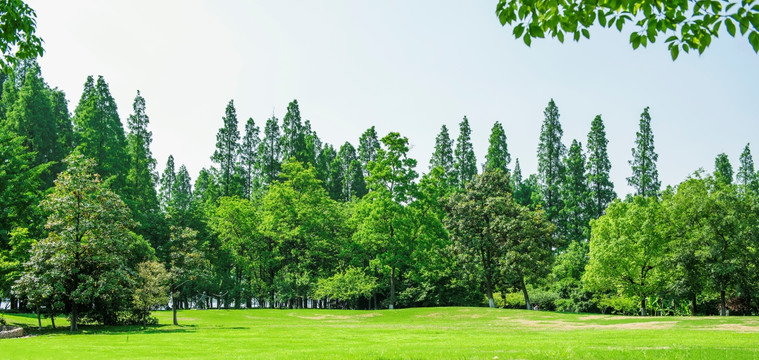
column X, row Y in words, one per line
column 293, row 136
column 31, row 116
column 574, row 191
column 466, row 163
column 498, row 157
column 746, row 175
column 269, row 153
column 100, row 133
column 249, row 158
column 313, row 144
column 142, row 176
column 723, row 171
column 645, row 176
column 181, row 193
column 368, row 145
column 601, row 189
column 324, row 166
column 351, row 183
column 550, row 168
column 443, row 156
column 227, row 150
column 516, row 176
column 168, row 178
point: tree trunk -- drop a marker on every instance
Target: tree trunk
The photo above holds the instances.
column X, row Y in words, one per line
column 174, row 307
column 489, row 291
column 526, row 296
column 723, row 310
column 642, row 306
column 39, row 319
column 73, row 317
column 693, row 305
column 52, row 319
column 392, row 287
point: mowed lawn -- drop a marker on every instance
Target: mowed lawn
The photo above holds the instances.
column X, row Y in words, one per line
column 422, row 333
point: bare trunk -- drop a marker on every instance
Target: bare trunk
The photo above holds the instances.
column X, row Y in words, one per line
column 723, row 309
column 693, row 305
column 174, row 307
column 526, row 296
column 39, row 319
column 52, row 319
column 73, row 317
column 392, row 287
column 642, row 306
column 489, row 291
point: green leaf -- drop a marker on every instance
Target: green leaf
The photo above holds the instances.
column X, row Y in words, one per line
column 518, row 30
column 560, row 35
column 753, row 39
column 601, row 18
column 671, row 39
column 586, row 33
column 674, row 50
column 527, row 40
column 730, row 27
column 620, row 22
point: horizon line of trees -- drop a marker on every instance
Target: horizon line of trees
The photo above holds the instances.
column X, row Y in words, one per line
column 89, row 228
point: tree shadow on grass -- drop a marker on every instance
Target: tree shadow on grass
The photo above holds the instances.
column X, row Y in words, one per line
column 112, row 330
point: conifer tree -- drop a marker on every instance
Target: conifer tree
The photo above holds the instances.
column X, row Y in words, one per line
column 100, row 133
column 181, row 193
column 269, row 153
column 645, row 176
column 249, row 158
column 550, row 168
column 142, row 176
column 368, row 145
column 746, row 175
column 227, row 150
column 498, row 157
column 466, row 163
column 64, row 127
column 723, row 171
column 31, row 116
column 575, row 214
column 600, row 188
column 293, row 135
column 443, row 155
column 351, row 183
column 168, row 178
column 516, row 176
column 313, row 143
column 325, row 173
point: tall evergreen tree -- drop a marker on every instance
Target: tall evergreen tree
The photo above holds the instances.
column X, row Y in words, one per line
column 443, row 155
column 325, row 173
column 100, row 133
column 168, row 178
column 516, row 176
column 351, row 183
column 574, row 192
column 64, row 126
column 498, row 157
column 249, row 158
column 181, row 193
column 466, row 162
column 31, row 116
column 723, row 171
column 601, row 189
column 227, row 150
column 645, row 176
column 142, row 176
column 746, row 175
column 550, row 168
column 293, row 135
column 313, row 143
column 270, row 152
column 368, row 145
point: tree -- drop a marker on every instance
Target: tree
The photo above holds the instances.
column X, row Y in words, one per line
column 550, row 169
column 723, row 171
column 347, row 285
column 32, row 117
column 100, row 134
column 368, row 145
column 645, row 176
column 227, row 150
column 443, row 156
column 498, row 157
column 601, row 189
column 185, row 263
column 181, row 195
column 466, row 163
column 151, row 289
column 349, row 174
column 249, row 158
column 574, row 192
column 746, row 175
column 84, row 259
column 18, row 40
column 628, row 248
column 64, row 127
column 168, row 178
column 270, row 152
column 293, row 134
column 385, row 227
column 689, row 25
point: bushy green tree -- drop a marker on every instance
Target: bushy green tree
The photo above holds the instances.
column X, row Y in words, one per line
column 723, row 171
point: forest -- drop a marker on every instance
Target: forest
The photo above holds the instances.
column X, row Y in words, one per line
column 88, row 228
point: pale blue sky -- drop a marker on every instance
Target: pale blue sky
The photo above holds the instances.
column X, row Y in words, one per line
column 406, row 66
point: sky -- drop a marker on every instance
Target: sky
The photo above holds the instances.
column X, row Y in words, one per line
column 405, row 66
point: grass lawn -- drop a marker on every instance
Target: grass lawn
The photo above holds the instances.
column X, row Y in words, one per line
column 422, row 333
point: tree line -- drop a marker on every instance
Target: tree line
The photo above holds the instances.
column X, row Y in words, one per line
column 88, row 227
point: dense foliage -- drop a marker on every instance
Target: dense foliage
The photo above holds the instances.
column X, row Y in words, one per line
column 283, row 219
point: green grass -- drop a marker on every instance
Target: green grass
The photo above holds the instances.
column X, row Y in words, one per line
column 424, row 333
